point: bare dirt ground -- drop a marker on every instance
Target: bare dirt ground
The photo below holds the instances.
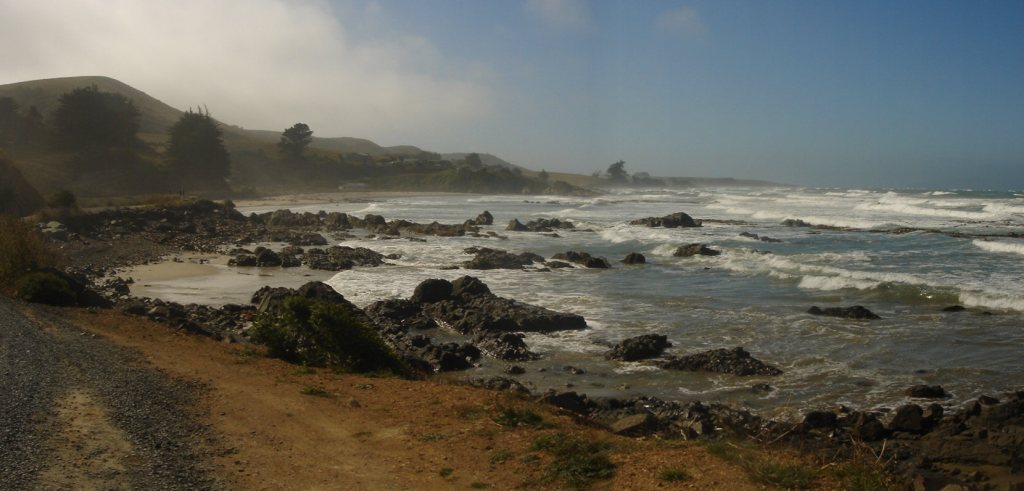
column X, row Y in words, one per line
column 279, row 426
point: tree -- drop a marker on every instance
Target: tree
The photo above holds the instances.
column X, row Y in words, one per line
column 543, row 175
column 196, row 153
column 617, row 171
column 294, row 140
column 86, row 117
column 473, row 161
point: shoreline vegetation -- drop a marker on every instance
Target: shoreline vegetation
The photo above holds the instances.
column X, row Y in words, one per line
column 829, row 448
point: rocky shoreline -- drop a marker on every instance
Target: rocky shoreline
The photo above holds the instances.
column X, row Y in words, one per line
column 976, row 446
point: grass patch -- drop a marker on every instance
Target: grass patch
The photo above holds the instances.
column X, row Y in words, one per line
column 432, row 437
column 314, row 390
column 674, row 474
column 363, row 434
column 861, row 477
column 480, row 485
column 469, row 412
column 22, row 249
column 500, row 456
column 446, row 472
column 576, row 462
column 764, row 469
column 513, row 418
column 304, row 370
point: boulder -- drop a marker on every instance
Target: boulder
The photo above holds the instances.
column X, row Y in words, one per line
column 539, row 225
column 761, row 238
column 855, row 312
column 635, row 425
column 337, row 258
column 467, row 287
column 634, row 258
column 927, row 392
column 268, row 258
column 432, row 290
column 584, row 259
column 695, row 250
column 909, row 418
column 570, row 401
column 736, row 361
column 486, row 258
column 674, row 220
column 243, row 260
column 639, row 348
column 484, row 218
column 820, row 420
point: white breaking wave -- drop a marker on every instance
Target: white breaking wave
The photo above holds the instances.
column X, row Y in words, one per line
column 992, row 300
column 1007, row 247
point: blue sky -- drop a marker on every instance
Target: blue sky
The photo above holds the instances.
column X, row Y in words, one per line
column 905, row 93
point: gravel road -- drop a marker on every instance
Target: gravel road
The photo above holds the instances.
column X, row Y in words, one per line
column 44, row 363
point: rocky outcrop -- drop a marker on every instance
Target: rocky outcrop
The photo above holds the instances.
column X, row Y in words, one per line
column 539, row 225
column 855, row 312
column 484, row 218
column 634, row 258
column 695, row 250
column 639, row 348
column 486, row 258
column 467, row 306
column 584, row 259
column 674, row 220
column 927, row 392
column 337, row 258
column 736, row 361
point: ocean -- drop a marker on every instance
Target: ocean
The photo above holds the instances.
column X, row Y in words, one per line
column 905, row 255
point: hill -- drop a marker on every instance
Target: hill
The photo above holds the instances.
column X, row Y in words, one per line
column 486, row 158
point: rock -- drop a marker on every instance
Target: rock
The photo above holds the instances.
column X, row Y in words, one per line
column 268, row 258
column 468, row 287
column 820, row 420
column 503, row 384
column 539, row 225
column 855, row 312
column 487, row 258
column 927, row 392
column 337, row 258
column 754, row 236
column 954, row 308
column 639, row 348
column 909, row 418
column 634, row 258
column 736, row 361
column 484, row 218
column 243, row 260
column 695, row 250
column 432, row 290
column 505, row 346
column 795, row 222
column 674, row 220
column 570, row 401
column 635, row 425
column 516, row 226
column 514, row 370
column 583, row 258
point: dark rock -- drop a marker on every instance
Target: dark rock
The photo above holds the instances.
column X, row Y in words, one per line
column 503, row 384
column 268, row 258
column 487, row 258
column 515, row 370
column 954, row 308
column 909, row 419
column 634, row 258
column 432, row 290
column 674, row 220
column 557, row 264
column 736, row 361
column 635, row 425
column 539, row 225
column 855, row 312
column 570, row 401
column 583, row 258
column 754, row 236
column 927, row 391
column 337, row 258
column 516, row 226
column 243, row 260
column 484, row 218
column 467, row 287
column 505, row 346
column 639, row 348
column 695, row 250
column 820, row 420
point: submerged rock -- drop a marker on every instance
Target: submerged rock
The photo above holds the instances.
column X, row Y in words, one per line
column 674, row 220
column 855, row 312
column 584, row 259
column 927, row 392
column 486, row 258
column 539, row 225
column 736, row 361
column 634, row 258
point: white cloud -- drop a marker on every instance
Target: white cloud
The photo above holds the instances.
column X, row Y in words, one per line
column 562, row 14
column 683, row 20
column 257, row 63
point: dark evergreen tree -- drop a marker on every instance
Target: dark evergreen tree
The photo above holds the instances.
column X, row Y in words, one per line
column 88, row 118
column 617, row 171
column 196, row 153
column 294, row 140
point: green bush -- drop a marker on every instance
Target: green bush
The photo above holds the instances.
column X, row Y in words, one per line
column 323, row 334
column 45, row 288
column 62, row 199
column 577, row 462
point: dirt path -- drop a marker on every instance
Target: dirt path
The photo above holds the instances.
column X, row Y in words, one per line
column 77, row 411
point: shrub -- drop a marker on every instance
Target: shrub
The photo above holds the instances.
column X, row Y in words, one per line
column 63, row 199
column 48, row 288
column 576, row 461
column 322, row 334
column 22, row 249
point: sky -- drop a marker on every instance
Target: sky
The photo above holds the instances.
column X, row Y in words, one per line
column 868, row 93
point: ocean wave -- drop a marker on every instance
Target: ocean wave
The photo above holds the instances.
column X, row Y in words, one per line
column 1006, row 247
column 992, row 300
column 905, row 208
